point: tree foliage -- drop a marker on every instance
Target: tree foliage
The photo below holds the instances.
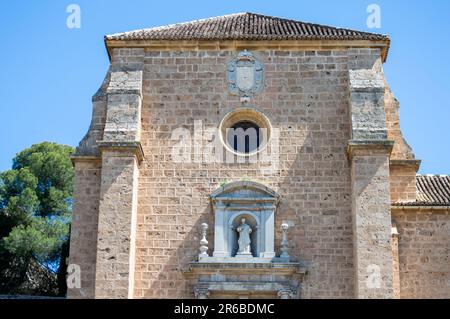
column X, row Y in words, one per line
column 35, row 212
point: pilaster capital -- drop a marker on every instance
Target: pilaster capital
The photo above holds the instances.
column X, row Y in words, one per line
column 364, row 147
column 133, row 147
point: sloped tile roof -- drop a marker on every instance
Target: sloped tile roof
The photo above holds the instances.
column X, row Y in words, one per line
column 246, row 26
column 432, row 190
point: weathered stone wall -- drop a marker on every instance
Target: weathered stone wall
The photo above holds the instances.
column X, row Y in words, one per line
column 423, row 248
column 306, row 97
column 403, row 164
column 83, row 238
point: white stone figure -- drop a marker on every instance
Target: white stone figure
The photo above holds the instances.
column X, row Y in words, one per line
column 244, row 232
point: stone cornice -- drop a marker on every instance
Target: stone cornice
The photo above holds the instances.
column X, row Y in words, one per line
column 80, row 158
column 134, row 147
column 406, row 162
column 383, row 146
column 255, row 45
column 125, row 91
column 288, row 268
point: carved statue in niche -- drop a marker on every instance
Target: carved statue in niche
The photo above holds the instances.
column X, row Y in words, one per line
column 244, row 231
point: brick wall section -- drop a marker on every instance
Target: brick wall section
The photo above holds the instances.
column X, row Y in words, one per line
column 306, row 97
column 83, row 237
column 424, row 250
column 116, row 225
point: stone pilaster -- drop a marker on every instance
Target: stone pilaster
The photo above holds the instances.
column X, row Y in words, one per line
column 121, row 153
column 117, row 223
column 371, row 217
column 369, row 153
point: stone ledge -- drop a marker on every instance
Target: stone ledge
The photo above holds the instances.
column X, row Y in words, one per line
column 281, row 278
column 237, row 286
column 409, row 162
column 369, row 145
column 272, row 268
column 367, row 89
column 112, row 91
column 84, row 158
column 123, row 146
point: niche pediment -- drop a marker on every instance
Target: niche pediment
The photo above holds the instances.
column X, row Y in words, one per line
column 244, row 192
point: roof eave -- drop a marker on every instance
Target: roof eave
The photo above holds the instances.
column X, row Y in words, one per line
column 303, row 44
column 419, row 207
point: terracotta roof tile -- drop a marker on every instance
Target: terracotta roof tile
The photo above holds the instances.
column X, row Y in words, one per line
column 246, row 26
column 432, row 190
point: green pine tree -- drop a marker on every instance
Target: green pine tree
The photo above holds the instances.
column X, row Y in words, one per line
column 35, row 215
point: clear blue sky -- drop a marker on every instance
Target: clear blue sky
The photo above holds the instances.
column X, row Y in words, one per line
column 49, row 72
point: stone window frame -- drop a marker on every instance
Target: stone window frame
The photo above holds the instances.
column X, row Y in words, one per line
column 245, row 114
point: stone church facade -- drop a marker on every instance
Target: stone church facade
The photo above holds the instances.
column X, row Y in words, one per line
column 329, row 195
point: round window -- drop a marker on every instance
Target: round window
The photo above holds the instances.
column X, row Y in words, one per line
column 245, row 131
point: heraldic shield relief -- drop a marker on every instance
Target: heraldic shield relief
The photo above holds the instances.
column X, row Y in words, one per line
column 245, row 75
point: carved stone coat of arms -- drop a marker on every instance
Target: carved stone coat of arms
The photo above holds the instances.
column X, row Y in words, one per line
column 245, row 75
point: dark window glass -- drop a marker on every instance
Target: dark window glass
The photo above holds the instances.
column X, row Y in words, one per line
column 244, row 137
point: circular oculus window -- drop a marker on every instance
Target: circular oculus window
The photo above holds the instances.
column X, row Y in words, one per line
column 245, row 131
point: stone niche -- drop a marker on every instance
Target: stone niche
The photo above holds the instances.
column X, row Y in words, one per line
column 233, row 202
column 257, row 272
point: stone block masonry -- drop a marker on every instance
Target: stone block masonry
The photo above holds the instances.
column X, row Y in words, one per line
column 423, row 250
column 342, row 162
column 306, row 97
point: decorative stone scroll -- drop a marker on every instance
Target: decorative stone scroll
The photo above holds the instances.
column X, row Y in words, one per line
column 287, row 293
column 245, row 75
